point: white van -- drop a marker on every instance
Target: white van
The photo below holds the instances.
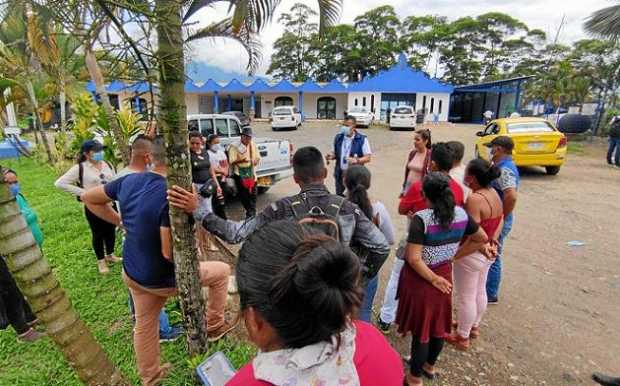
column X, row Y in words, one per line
column 285, row 117
column 403, row 117
column 276, row 154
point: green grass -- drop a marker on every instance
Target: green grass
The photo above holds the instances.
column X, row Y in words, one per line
column 101, row 301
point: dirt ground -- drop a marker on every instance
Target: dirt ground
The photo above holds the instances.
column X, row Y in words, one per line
column 559, row 313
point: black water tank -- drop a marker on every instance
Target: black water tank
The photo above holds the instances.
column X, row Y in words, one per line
column 575, row 123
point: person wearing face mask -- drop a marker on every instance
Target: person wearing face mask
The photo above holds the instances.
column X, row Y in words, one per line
column 506, row 186
column 219, row 162
column 14, row 309
column 350, row 148
column 90, row 171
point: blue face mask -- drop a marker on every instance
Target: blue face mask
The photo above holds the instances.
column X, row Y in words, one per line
column 345, row 130
column 15, row 189
column 98, row 156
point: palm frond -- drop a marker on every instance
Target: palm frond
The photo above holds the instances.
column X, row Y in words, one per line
column 252, row 15
column 197, row 5
column 605, row 22
column 329, row 11
column 225, row 29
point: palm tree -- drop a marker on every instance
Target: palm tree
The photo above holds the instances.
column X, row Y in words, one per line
column 36, row 280
column 605, row 22
column 248, row 18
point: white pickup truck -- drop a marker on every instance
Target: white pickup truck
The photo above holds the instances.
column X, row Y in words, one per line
column 276, row 155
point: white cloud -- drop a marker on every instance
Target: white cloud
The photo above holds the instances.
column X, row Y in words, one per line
column 545, row 15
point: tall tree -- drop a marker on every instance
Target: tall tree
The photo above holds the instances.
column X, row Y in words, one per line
column 459, row 58
column 378, row 38
column 422, row 36
column 37, row 281
column 337, row 54
column 292, row 57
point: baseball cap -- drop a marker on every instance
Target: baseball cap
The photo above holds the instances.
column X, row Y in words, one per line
column 247, row 130
column 502, row 141
column 91, row 144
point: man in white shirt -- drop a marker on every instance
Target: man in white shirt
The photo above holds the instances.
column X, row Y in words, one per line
column 350, row 148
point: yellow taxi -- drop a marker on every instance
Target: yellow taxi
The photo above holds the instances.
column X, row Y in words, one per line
column 537, row 142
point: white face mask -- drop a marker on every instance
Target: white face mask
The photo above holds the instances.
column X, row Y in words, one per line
column 216, row 147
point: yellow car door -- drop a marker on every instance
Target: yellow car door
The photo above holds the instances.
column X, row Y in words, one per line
column 486, row 136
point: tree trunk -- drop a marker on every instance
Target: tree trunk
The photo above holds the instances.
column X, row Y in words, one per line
column 38, row 125
column 172, row 121
column 37, row 282
column 63, row 114
column 97, row 77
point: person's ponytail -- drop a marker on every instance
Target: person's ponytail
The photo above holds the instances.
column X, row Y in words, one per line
column 483, row 171
column 437, row 190
column 305, row 287
column 357, row 182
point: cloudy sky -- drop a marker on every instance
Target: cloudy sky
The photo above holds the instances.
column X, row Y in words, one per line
column 223, row 57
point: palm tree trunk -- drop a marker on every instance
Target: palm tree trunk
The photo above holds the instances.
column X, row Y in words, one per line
column 36, row 280
column 63, row 113
column 172, row 120
column 38, row 125
column 94, row 71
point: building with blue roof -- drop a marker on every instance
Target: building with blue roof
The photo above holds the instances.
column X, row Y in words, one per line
column 381, row 94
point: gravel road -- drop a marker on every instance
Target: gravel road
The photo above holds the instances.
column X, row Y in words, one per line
column 558, row 316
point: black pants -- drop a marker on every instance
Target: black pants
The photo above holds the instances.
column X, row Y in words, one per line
column 422, row 353
column 104, row 235
column 338, row 179
column 219, row 203
column 15, row 307
column 247, row 197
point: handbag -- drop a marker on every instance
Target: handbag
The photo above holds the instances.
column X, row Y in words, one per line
column 246, row 174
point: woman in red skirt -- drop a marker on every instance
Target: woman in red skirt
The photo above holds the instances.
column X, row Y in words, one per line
column 425, row 285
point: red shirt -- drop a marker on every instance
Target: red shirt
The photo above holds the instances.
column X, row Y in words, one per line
column 375, row 360
column 413, row 200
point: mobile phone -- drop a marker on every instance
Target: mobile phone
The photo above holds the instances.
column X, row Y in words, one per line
column 216, row 370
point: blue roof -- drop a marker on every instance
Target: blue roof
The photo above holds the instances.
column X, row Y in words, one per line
column 210, row 86
column 310, row 86
column 335, row 86
column 234, row 86
column 259, row 85
column 117, row 86
column 401, row 78
column 191, row 87
column 284, row 86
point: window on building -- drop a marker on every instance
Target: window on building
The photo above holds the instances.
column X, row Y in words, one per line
column 356, row 101
column 424, row 103
column 372, row 103
column 432, row 105
column 283, row 101
column 364, row 101
column 326, row 108
column 439, row 109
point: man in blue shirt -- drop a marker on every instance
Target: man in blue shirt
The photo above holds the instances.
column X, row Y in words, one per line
column 506, row 186
column 350, row 148
column 148, row 269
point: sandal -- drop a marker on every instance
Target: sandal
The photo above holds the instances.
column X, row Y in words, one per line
column 410, row 380
column 458, row 341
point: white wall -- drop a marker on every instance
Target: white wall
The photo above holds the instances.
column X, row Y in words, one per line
column 267, row 101
column 191, row 100
column 436, row 97
column 360, row 100
column 310, row 104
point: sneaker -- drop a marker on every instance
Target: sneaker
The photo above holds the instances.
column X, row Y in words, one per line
column 31, row 335
column 113, row 259
column 383, row 326
column 215, row 335
column 103, row 267
column 171, row 335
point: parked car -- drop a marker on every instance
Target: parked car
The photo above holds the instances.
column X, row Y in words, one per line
column 403, row 117
column 362, row 115
column 244, row 119
column 276, row 155
column 537, row 142
column 285, row 117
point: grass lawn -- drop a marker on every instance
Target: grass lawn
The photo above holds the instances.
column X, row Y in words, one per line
column 101, row 301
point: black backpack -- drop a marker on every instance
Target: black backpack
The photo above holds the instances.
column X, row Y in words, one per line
column 316, row 220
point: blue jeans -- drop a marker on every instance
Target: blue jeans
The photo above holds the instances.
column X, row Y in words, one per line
column 614, row 144
column 495, row 271
column 164, row 322
column 369, row 296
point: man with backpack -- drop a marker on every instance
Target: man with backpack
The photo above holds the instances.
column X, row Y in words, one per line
column 314, row 207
